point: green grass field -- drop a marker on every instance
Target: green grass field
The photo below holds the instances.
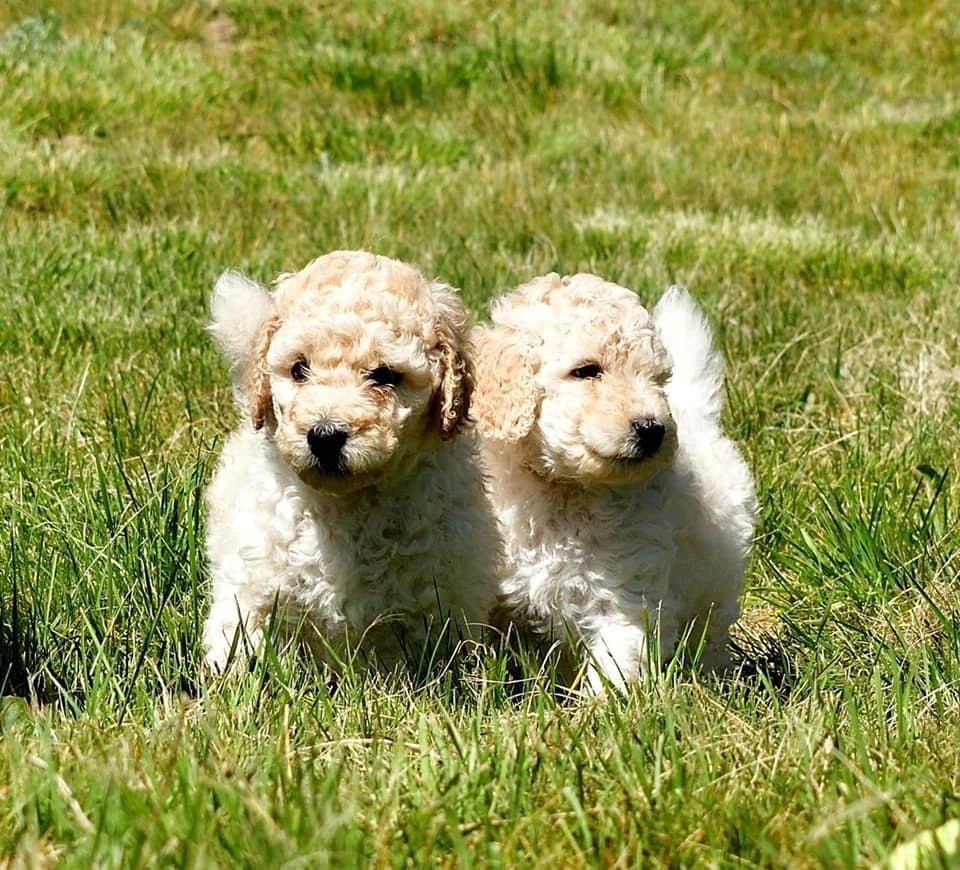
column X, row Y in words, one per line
column 796, row 164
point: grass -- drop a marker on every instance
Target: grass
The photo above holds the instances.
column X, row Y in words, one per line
column 795, row 164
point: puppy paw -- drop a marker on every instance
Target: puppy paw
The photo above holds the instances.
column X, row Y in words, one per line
column 225, row 641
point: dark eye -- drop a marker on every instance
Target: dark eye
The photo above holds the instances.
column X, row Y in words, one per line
column 584, row 372
column 300, row 371
column 384, row 376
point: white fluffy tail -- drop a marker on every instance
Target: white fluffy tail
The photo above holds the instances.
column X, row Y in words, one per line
column 239, row 308
column 696, row 387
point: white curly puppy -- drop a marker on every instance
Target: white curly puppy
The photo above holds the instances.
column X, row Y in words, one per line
column 344, row 500
column 626, row 513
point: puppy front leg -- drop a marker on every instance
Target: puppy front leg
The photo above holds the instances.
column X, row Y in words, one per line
column 619, row 656
column 623, row 653
column 231, row 629
column 716, row 653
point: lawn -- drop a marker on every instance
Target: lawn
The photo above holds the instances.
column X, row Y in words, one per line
column 796, row 164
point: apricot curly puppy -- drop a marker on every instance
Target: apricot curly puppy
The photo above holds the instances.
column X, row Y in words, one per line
column 627, row 514
column 345, row 501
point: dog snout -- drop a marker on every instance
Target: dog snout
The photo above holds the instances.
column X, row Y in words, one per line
column 326, row 444
column 648, row 435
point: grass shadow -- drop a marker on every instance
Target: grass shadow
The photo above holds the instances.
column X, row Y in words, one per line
column 19, row 674
column 763, row 658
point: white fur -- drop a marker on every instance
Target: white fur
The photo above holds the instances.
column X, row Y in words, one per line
column 619, row 556
column 374, row 569
column 376, row 558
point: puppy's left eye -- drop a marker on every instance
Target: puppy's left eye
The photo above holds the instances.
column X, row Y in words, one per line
column 586, row 372
column 384, row 376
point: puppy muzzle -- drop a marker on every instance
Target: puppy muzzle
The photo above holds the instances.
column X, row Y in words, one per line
column 326, row 442
column 646, row 438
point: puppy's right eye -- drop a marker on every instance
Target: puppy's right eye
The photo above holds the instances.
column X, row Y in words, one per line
column 586, row 372
column 300, row 371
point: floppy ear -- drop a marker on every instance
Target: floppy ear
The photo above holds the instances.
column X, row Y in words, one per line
column 243, row 321
column 507, row 397
column 452, row 401
column 261, row 399
column 456, row 388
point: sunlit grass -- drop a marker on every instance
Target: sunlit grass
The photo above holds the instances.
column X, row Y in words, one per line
column 796, row 165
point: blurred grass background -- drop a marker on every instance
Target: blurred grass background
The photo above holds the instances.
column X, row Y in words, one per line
column 795, row 164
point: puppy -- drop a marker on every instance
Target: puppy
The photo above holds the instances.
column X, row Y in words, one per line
column 345, row 505
column 627, row 515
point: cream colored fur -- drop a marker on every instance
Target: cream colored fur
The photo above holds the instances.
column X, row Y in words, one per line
column 380, row 550
column 604, row 543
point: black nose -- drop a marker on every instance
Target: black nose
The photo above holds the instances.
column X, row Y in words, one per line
column 648, row 435
column 326, row 444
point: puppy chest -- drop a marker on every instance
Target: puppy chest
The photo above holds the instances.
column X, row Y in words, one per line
column 371, row 567
column 593, row 568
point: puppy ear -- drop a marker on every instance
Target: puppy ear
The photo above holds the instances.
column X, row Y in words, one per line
column 452, row 401
column 456, row 388
column 261, row 398
column 506, row 398
column 243, row 321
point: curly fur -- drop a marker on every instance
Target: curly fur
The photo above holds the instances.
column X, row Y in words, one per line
column 606, row 543
column 381, row 549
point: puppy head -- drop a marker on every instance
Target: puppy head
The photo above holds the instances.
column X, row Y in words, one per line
column 571, row 376
column 354, row 365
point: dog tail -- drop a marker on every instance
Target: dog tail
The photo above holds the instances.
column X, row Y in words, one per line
column 696, row 386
